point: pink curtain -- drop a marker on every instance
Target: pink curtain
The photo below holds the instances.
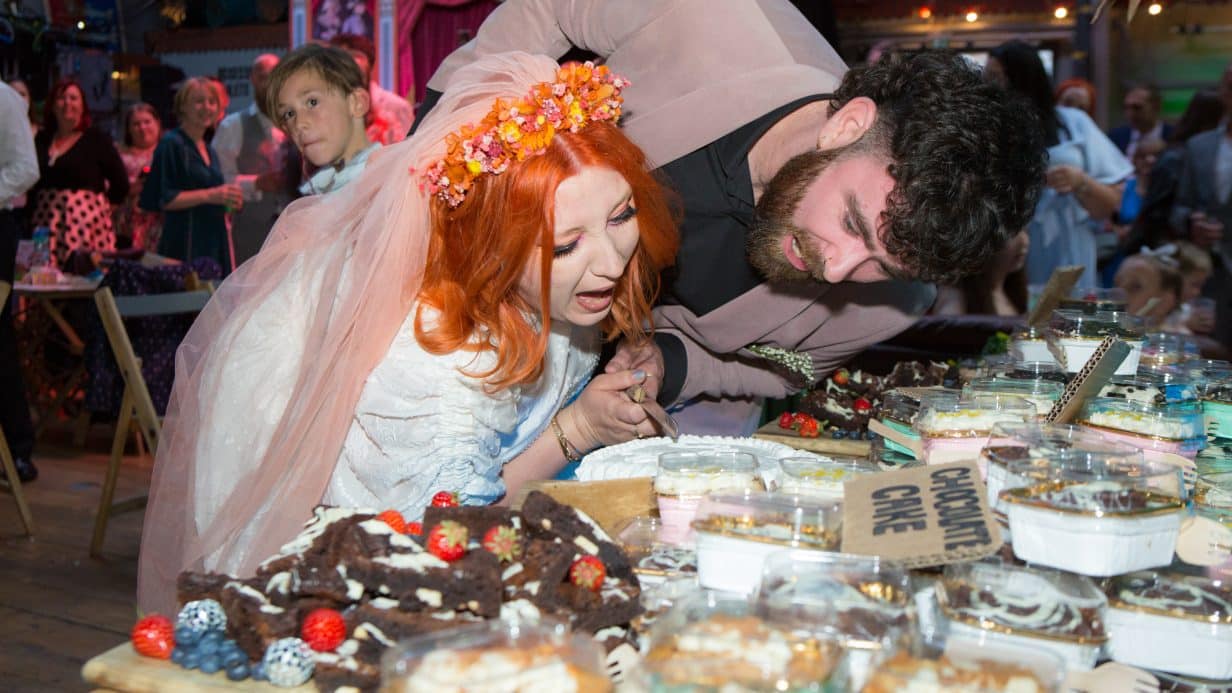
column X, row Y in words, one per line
column 428, row 31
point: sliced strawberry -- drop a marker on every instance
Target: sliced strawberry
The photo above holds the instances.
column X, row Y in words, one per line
column 415, row 528
column 588, row 572
column 841, row 377
column 154, row 636
column 447, row 541
column 323, row 629
column 504, row 542
column 810, row 429
column 394, row 519
column 862, row 405
column 445, row 499
column 785, row 420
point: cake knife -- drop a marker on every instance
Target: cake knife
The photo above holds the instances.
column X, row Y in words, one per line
column 665, row 422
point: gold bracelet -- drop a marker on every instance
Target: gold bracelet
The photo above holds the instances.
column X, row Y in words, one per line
column 572, row 454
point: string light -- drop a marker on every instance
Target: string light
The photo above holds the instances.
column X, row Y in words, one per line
column 972, row 16
column 924, row 13
column 81, row 25
column 1154, row 9
column 1061, row 12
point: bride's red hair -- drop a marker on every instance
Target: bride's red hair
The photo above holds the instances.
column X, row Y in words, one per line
column 477, row 251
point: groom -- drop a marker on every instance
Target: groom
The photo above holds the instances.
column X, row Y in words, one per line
column 816, row 199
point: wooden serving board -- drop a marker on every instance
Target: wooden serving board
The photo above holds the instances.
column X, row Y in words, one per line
column 609, row 502
column 822, row 445
column 122, row 670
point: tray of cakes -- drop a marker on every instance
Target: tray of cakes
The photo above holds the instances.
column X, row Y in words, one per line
column 861, row 602
column 1176, row 623
column 1023, row 606
column 735, row 534
column 1174, row 429
column 1073, row 337
column 954, row 429
column 1093, row 514
column 711, row 641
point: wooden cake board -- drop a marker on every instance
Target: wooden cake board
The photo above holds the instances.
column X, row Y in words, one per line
column 122, row 670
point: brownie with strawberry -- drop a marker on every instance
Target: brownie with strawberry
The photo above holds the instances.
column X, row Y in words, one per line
column 254, row 621
column 545, row 564
column 477, row 519
column 547, row 518
column 596, row 600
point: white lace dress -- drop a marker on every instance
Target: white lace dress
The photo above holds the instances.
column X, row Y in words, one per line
column 422, row 426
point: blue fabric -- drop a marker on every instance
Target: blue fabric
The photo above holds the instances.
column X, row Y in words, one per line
column 1062, row 233
column 1131, row 203
column 199, row 231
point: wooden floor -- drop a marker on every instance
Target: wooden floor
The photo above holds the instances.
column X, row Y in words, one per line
column 58, row 606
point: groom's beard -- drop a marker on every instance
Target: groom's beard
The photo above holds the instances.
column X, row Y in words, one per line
column 773, row 221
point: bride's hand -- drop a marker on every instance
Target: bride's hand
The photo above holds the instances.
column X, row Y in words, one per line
column 604, row 415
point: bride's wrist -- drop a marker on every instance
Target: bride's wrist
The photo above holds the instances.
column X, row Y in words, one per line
column 574, row 430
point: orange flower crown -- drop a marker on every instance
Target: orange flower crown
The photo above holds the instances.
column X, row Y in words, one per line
column 516, row 130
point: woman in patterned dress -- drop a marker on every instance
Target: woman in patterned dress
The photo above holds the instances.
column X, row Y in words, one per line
column 135, row 226
column 81, row 176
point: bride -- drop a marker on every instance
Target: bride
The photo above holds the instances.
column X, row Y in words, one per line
column 432, row 327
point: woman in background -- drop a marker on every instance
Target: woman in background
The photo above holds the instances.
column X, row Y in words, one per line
column 1077, row 93
column 186, row 183
column 136, row 227
column 81, row 177
column 1085, row 173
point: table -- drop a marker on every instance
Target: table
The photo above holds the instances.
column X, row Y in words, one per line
column 40, row 321
column 122, row 670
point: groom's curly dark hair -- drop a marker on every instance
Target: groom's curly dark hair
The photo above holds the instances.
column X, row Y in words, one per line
column 966, row 156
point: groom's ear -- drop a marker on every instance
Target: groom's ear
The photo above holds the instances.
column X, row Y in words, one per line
column 848, row 124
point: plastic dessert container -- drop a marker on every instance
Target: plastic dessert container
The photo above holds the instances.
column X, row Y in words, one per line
column 969, row 666
column 504, row 654
column 1176, row 623
column 684, row 478
column 1015, row 442
column 861, row 602
column 716, row 642
column 820, row 477
column 1217, row 407
column 654, row 560
column 735, row 534
column 1074, row 335
column 1110, row 299
column 1175, row 428
column 1021, row 606
column 1152, row 386
column 1092, row 515
column 956, row 429
column 1213, row 497
column 1043, row 394
column 1038, row 370
column 1031, row 344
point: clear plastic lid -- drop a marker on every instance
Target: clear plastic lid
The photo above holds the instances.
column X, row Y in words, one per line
column 1111, row 299
column 1218, row 388
column 1152, row 385
column 819, row 476
column 970, row 417
column 1162, row 349
column 1073, row 324
column 1094, row 484
column 1175, row 422
column 651, row 554
column 1191, row 597
column 716, row 642
column 1038, row 370
column 1030, row 333
column 1214, row 490
column 1014, row 442
column 697, row 473
column 899, row 406
column 1042, row 393
column 1203, row 372
column 505, row 654
column 1020, row 600
column 969, row 666
column 772, row 518
column 862, row 601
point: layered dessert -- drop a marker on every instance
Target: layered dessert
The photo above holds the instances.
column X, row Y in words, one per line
column 1175, row 428
column 735, row 534
column 1181, row 624
column 723, row 651
column 685, row 478
column 1073, row 337
column 1217, row 407
column 956, row 429
column 1092, row 515
column 1020, row 606
column 904, row 672
column 1157, row 389
column 1031, row 344
column 653, row 559
column 1043, row 394
column 819, row 477
column 899, row 411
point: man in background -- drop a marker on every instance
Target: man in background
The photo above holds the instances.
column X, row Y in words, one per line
column 1142, row 105
column 249, row 154
column 18, row 172
column 391, row 115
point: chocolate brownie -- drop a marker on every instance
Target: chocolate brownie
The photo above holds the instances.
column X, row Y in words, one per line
column 388, row 622
column 191, row 586
column 254, row 621
column 544, row 565
column 615, row 603
column 312, row 544
column 549, row 519
column 421, row 581
column 477, row 519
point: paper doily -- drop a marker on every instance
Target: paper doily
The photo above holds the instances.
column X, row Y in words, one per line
column 641, row 457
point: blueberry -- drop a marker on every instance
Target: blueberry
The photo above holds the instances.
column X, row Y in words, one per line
column 187, row 636
column 192, row 660
column 238, row 672
column 177, row 655
column 257, row 671
column 210, row 664
column 232, row 657
column 836, row 433
column 214, row 636
column 208, row 647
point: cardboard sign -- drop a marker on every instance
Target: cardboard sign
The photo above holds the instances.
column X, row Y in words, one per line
column 920, row 516
column 1087, row 382
column 1058, row 287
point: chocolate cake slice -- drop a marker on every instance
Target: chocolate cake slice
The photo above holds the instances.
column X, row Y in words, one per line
column 617, row 602
column 547, row 518
column 421, row 581
column 191, row 586
column 254, row 621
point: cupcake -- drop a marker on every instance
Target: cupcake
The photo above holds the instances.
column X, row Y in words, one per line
column 1175, row 428
column 1074, row 336
column 1181, row 624
column 684, row 478
column 1092, row 515
column 956, row 429
column 1022, row 606
column 735, row 534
